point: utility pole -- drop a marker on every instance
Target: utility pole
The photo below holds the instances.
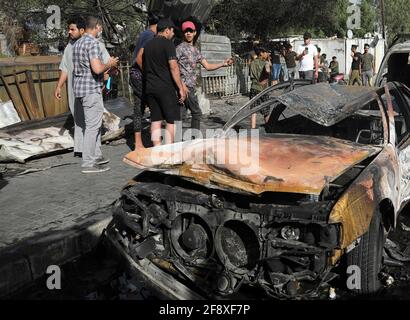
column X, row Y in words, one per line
column 383, row 19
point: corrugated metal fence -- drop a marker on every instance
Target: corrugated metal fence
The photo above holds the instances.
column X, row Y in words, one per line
column 223, row 82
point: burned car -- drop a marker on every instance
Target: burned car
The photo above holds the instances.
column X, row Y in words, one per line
column 330, row 175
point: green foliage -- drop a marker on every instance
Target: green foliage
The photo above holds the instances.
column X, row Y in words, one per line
column 119, row 12
column 263, row 19
column 368, row 18
column 397, row 17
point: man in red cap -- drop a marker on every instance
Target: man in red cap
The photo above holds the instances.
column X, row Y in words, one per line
column 188, row 57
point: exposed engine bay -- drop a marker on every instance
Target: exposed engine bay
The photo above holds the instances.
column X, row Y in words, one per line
column 216, row 242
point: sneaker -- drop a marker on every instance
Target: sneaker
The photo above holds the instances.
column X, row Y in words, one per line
column 78, row 154
column 95, row 169
column 102, row 160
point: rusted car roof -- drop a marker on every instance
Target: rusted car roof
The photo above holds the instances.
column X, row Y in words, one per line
column 326, row 104
column 278, row 163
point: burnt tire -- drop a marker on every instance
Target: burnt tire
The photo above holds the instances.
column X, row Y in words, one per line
column 368, row 256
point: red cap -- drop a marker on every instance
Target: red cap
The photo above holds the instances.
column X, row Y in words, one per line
column 188, row 25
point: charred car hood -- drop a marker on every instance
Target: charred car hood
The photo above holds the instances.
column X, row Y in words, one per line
column 275, row 163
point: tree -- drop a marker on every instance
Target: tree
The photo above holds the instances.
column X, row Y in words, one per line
column 263, row 19
column 31, row 15
column 397, row 17
column 368, row 18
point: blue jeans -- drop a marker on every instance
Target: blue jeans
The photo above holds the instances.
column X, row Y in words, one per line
column 276, row 68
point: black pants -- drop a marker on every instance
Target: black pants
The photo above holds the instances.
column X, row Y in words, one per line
column 192, row 104
column 136, row 84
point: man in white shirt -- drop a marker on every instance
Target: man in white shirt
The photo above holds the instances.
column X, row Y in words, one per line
column 308, row 59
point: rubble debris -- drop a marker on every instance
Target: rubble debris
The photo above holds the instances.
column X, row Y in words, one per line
column 394, row 252
column 44, row 169
column 404, row 227
column 332, row 293
column 20, row 142
column 29, row 143
column 386, row 279
column 391, row 262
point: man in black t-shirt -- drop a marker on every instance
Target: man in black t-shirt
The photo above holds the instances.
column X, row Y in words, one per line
column 356, row 72
column 162, row 76
column 290, row 57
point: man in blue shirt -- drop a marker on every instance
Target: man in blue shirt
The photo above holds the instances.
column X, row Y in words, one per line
column 136, row 80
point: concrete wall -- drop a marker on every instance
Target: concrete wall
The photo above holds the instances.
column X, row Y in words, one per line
column 3, row 45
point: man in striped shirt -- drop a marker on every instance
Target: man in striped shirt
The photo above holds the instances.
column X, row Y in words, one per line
column 88, row 82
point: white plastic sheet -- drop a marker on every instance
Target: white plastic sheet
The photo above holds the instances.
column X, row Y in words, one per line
column 8, row 114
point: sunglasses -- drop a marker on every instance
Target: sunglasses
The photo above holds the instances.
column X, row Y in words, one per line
column 189, row 30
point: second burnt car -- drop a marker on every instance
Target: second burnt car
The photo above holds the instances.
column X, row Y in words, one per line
column 331, row 174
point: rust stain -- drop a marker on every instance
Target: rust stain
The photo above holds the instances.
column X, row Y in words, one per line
column 334, row 259
column 354, row 211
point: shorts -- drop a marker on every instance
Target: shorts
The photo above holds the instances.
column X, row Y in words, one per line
column 264, row 111
column 276, row 68
column 164, row 106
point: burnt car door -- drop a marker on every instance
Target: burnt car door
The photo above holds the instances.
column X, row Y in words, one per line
column 400, row 99
column 404, row 141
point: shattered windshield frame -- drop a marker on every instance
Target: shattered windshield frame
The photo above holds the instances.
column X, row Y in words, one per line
column 323, row 107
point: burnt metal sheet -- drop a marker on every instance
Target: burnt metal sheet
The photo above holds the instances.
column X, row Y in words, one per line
column 276, row 163
column 355, row 208
column 326, row 104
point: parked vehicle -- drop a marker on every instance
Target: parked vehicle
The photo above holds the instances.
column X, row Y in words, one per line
column 333, row 174
column 395, row 65
column 332, row 177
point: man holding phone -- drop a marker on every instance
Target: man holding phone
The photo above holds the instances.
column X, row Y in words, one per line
column 308, row 59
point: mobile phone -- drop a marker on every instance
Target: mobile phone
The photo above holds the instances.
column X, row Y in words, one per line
column 108, row 85
column 307, row 49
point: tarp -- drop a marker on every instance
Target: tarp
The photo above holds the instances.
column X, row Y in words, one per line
column 8, row 114
column 42, row 137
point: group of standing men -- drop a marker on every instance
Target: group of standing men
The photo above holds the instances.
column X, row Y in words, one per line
column 163, row 77
column 363, row 67
column 267, row 66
